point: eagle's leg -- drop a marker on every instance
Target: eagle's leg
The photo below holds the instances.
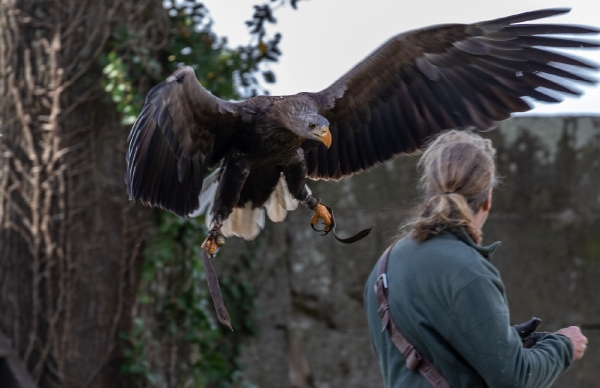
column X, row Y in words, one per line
column 295, row 177
column 236, row 169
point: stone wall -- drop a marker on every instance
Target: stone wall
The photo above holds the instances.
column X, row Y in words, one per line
column 312, row 329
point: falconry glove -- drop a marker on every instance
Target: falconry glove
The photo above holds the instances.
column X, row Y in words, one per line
column 528, row 334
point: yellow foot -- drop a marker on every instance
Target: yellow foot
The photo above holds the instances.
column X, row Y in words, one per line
column 321, row 213
column 210, row 245
column 214, row 240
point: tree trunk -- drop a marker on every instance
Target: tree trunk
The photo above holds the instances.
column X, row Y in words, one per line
column 69, row 238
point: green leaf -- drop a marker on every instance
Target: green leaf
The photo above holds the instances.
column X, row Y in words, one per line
column 269, row 76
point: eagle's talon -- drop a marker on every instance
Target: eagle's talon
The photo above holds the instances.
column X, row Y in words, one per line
column 324, row 232
column 322, row 213
column 214, row 240
column 210, row 246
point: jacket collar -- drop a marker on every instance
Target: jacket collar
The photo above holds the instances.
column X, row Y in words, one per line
column 486, row 251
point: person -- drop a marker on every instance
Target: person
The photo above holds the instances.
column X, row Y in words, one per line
column 444, row 294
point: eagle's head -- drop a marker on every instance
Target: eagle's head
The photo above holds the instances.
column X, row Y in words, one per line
column 315, row 127
column 299, row 114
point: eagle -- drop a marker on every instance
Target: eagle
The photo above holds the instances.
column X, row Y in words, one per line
column 260, row 151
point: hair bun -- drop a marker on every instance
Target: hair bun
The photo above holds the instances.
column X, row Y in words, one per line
column 455, row 159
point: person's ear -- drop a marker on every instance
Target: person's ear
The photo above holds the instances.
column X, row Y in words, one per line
column 488, row 202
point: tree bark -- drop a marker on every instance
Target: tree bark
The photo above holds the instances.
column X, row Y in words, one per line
column 69, row 238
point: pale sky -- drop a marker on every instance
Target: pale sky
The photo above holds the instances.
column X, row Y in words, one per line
column 323, row 39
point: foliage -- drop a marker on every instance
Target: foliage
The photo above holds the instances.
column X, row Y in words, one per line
column 174, row 319
column 118, row 85
column 173, row 290
column 197, row 46
column 193, row 43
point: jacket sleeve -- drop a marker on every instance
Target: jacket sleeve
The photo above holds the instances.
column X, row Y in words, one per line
column 480, row 331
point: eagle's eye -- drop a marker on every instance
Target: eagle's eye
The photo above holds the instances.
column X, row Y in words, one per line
column 312, row 126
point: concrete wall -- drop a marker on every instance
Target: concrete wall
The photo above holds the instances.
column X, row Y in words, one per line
column 546, row 212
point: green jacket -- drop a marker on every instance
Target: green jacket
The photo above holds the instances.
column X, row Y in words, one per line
column 449, row 301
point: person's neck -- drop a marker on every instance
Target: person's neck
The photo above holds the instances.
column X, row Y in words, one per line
column 479, row 219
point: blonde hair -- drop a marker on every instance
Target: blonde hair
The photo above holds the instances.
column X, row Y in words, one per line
column 458, row 172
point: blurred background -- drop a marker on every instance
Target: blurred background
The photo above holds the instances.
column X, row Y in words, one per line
column 96, row 291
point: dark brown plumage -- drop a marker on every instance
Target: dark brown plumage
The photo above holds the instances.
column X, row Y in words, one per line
column 447, row 76
column 415, row 85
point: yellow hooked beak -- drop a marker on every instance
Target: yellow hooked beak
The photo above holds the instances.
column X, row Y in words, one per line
column 323, row 135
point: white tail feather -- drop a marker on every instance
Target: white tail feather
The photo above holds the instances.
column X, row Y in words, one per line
column 245, row 221
column 280, row 202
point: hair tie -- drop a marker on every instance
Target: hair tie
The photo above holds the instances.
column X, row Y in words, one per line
column 450, row 192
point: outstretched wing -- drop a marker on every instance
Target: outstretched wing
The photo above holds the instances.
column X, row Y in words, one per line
column 442, row 77
column 182, row 130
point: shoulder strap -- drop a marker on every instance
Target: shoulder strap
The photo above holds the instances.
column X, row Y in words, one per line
column 414, row 359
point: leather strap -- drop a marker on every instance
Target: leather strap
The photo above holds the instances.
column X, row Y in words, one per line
column 412, row 356
column 215, row 290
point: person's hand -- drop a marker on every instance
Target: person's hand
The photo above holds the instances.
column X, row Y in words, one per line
column 577, row 338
